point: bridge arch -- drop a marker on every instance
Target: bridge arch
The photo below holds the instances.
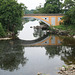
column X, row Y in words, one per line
column 37, row 19
column 49, row 19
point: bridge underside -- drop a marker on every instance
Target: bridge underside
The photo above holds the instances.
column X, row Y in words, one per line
column 53, row 19
column 44, row 41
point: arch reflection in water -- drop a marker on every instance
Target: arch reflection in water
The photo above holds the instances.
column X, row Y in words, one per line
column 45, row 40
column 50, row 40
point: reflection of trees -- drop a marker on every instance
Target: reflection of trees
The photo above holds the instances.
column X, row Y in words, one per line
column 25, row 20
column 67, row 53
column 11, row 55
column 38, row 32
column 53, row 50
column 68, row 41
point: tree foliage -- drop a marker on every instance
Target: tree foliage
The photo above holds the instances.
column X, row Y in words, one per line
column 51, row 6
column 11, row 14
column 69, row 17
column 2, row 32
column 29, row 11
column 68, row 4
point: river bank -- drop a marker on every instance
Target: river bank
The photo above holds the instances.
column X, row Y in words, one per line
column 68, row 30
column 65, row 30
column 64, row 70
column 9, row 36
column 67, row 70
column 5, row 38
column 58, row 30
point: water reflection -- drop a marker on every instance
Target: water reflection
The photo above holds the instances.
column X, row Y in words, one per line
column 39, row 33
column 43, row 52
column 11, row 55
column 68, row 41
column 67, row 53
column 52, row 51
column 27, row 32
column 49, row 40
column 14, row 54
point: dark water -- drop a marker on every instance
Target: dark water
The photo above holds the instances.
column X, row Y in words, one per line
column 31, row 54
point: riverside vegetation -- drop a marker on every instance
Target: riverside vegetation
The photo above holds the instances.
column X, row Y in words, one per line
column 11, row 14
column 68, row 23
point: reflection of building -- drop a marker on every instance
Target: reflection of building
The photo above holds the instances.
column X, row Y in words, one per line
column 50, row 40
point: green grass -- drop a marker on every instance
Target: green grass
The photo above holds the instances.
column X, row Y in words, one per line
column 70, row 28
column 61, row 27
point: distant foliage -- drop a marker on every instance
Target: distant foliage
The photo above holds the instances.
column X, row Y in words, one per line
column 29, row 11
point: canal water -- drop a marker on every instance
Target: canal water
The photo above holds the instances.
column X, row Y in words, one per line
column 35, row 51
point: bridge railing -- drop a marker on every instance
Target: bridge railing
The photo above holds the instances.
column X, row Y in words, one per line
column 43, row 14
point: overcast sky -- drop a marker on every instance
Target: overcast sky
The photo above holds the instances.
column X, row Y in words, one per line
column 31, row 4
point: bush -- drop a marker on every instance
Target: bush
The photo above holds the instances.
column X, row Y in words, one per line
column 2, row 32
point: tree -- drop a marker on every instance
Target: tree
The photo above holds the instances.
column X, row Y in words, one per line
column 51, row 6
column 29, row 11
column 39, row 10
column 69, row 9
column 2, row 32
column 69, row 17
column 11, row 15
column 68, row 4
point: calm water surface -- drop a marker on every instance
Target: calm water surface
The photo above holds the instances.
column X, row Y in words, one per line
column 45, row 55
column 27, row 32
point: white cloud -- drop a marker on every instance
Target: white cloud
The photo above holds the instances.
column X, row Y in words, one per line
column 31, row 4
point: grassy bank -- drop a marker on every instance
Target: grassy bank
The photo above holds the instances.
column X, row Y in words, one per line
column 70, row 28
